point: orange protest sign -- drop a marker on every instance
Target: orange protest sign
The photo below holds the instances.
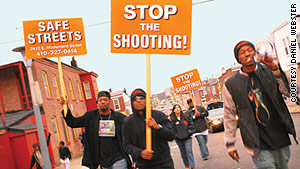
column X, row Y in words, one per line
column 186, row 81
column 152, row 26
column 54, row 37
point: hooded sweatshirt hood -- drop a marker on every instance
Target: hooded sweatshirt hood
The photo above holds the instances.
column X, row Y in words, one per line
column 137, row 93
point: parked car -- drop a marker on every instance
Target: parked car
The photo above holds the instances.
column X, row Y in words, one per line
column 215, row 117
column 215, row 120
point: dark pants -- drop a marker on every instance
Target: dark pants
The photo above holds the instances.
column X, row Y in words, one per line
column 167, row 165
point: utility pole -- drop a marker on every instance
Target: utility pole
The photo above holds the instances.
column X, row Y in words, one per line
column 36, row 109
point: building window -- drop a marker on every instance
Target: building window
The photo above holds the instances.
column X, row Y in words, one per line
column 79, row 91
column 214, row 92
column 298, row 40
column 55, row 130
column 46, row 84
column 96, row 88
column 65, row 128
column 54, row 79
column 116, row 104
column 285, row 47
column 87, row 90
column 286, row 43
column 71, row 89
column 74, row 134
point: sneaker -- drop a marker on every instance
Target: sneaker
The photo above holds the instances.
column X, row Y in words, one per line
column 205, row 158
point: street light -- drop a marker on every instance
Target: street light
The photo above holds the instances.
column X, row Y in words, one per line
column 36, row 108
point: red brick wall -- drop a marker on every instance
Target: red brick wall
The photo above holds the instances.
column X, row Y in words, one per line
column 9, row 89
column 225, row 76
column 208, row 96
column 122, row 103
column 216, row 96
column 53, row 108
column 197, row 97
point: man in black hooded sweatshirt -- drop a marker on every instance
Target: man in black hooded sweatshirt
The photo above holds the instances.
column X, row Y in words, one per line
column 134, row 135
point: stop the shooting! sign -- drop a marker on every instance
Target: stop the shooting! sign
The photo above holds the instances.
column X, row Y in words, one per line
column 152, row 26
column 186, row 81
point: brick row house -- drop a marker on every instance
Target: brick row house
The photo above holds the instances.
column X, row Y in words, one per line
column 120, row 101
column 227, row 73
column 17, row 128
column 209, row 92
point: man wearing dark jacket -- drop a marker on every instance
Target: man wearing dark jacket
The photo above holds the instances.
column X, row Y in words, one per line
column 200, row 125
column 64, row 154
column 103, row 135
column 134, row 135
column 264, row 119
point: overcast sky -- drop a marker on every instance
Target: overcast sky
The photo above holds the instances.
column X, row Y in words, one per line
column 216, row 27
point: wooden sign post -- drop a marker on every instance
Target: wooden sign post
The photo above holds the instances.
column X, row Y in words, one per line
column 62, row 85
column 193, row 100
column 151, row 27
column 148, row 103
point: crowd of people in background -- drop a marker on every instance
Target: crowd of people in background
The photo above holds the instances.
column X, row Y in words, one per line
column 111, row 149
column 114, row 141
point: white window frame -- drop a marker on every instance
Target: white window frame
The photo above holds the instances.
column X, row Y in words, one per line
column 118, row 103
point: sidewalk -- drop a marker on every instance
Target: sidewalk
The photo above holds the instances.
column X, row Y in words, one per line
column 75, row 164
column 293, row 108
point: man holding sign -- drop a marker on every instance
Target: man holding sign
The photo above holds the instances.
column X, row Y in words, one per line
column 134, row 135
column 198, row 114
column 103, row 135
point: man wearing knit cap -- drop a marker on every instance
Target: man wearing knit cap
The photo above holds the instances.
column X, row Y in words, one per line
column 134, row 135
column 103, row 135
column 264, row 119
column 199, row 114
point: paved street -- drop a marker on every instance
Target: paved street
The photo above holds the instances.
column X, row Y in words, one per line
column 218, row 155
column 219, row 158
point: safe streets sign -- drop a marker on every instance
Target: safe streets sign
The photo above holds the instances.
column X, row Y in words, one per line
column 54, row 37
column 151, row 26
column 186, row 81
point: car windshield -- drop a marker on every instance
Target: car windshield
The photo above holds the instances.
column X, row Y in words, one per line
column 215, row 105
column 215, row 112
